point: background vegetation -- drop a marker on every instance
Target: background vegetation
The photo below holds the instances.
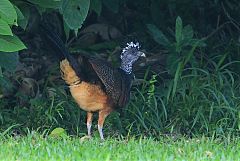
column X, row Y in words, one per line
column 188, row 85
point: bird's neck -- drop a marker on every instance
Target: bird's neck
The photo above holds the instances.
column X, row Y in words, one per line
column 126, row 67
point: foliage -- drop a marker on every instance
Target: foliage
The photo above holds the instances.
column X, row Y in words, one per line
column 205, row 102
column 8, row 17
column 9, row 42
column 11, row 15
column 194, row 91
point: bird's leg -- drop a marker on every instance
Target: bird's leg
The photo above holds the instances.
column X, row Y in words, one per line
column 101, row 118
column 89, row 122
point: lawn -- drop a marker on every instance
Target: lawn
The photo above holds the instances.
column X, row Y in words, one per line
column 38, row 148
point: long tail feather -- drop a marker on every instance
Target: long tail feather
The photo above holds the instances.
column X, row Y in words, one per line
column 55, row 42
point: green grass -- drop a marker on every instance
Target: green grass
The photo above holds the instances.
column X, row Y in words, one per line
column 38, row 148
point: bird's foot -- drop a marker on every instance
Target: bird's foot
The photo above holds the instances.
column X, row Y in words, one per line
column 100, row 132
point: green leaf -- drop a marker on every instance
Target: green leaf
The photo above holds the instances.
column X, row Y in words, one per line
column 7, row 12
column 178, row 30
column 58, row 132
column 172, row 63
column 96, row 5
column 9, row 61
column 187, row 33
column 6, row 85
column 23, row 12
column 157, row 35
column 22, row 21
column 11, row 43
column 5, row 28
column 177, row 77
column 112, row 5
column 66, row 30
column 191, row 52
column 178, row 34
column 75, row 12
column 47, row 3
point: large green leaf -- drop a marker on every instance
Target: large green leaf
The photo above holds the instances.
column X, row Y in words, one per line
column 187, row 33
column 47, row 3
column 112, row 5
column 5, row 28
column 96, row 5
column 11, row 43
column 172, row 63
column 178, row 34
column 178, row 30
column 157, row 35
column 66, row 30
column 9, row 61
column 7, row 12
column 22, row 21
column 75, row 12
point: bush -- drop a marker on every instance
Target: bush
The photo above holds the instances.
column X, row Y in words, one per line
column 190, row 87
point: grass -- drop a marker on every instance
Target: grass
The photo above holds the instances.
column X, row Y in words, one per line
column 33, row 147
column 205, row 101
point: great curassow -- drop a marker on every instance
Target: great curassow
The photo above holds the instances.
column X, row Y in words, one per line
column 94, row 83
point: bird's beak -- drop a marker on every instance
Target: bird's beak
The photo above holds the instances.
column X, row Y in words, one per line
column 142, row 54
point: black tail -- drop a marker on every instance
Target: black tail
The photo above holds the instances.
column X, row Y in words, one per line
column 55, row 42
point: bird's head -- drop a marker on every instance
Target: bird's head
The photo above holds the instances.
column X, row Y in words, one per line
column 129, row 55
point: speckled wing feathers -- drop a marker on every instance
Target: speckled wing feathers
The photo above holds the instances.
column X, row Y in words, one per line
column 116, row 82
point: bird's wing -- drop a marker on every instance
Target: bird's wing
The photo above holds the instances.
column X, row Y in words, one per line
column 116, row 82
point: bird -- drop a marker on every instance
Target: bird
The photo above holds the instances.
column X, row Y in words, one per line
column 94, row 83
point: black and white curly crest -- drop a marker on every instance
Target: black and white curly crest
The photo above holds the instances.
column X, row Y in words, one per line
column 130, row 48
column 129, row 55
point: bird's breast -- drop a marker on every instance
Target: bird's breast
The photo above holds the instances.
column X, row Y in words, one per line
column 90, row 97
